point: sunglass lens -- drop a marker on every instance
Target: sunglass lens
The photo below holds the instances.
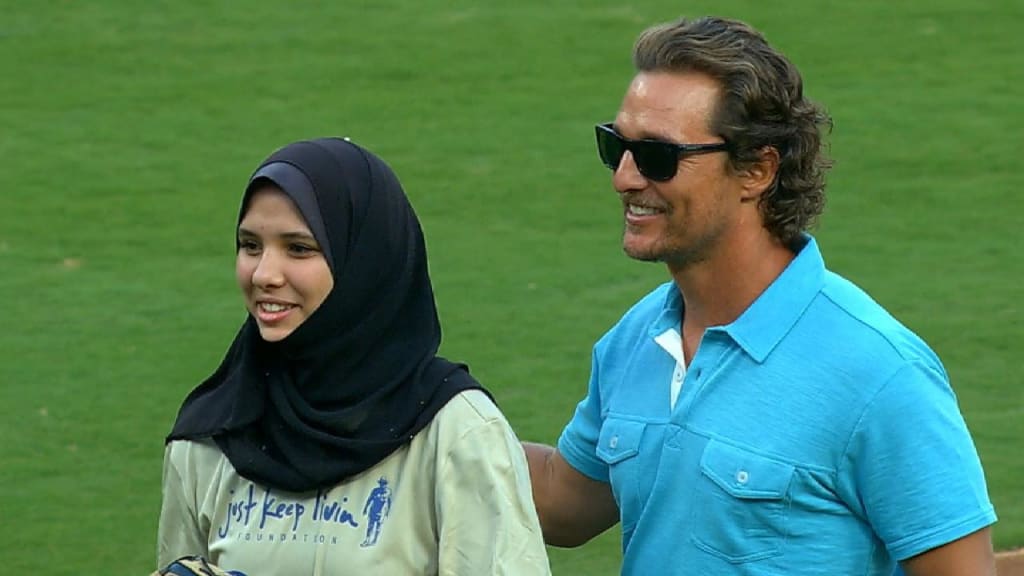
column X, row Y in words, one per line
column 655, row 160
column 609, row 147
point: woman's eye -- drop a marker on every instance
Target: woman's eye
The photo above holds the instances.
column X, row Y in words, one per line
column 248, row 246
column 302, row 249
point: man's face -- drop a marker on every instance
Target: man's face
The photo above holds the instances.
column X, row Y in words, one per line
column 680, row 221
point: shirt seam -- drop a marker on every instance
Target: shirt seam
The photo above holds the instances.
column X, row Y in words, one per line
column 886, row 337
column 841, row 465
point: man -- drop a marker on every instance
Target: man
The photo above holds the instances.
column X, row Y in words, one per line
column 758, row 414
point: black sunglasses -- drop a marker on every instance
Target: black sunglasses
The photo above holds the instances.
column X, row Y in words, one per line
column 656, row 159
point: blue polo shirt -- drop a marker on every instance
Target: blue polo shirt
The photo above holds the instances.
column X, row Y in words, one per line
column 813, row 435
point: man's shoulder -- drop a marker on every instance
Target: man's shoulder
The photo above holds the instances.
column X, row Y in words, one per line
column 852, row 316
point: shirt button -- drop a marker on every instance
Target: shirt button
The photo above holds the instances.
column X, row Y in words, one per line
column 613, row 442
column 679, row 376
column 742, row 477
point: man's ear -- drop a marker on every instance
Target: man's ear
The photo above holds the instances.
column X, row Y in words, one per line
column 759, row 175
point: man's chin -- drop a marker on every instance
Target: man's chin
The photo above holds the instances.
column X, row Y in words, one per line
column 640, row 252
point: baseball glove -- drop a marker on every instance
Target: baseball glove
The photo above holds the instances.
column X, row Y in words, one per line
column 194, row 566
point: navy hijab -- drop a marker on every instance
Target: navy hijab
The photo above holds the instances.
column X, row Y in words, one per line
column 360, row 377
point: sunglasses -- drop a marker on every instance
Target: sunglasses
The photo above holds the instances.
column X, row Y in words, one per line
column 656, row 159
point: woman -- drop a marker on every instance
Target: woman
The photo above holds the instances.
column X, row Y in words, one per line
column 332, row 439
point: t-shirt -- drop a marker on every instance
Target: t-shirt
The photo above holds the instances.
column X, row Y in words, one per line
column 455, row 501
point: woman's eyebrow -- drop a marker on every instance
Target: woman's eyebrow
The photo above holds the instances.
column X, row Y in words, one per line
column 296, row 235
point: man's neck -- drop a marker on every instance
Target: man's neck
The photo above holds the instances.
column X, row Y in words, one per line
column 718, row 290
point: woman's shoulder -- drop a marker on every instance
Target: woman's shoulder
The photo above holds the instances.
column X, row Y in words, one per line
column 473, row 407
column 474, row 404
column 469, row 411
column 200, row 460
column 203, row 449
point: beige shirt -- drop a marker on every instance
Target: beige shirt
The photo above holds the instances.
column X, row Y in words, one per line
column 454, row 501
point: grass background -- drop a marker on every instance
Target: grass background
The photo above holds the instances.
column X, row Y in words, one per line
column 128, row 129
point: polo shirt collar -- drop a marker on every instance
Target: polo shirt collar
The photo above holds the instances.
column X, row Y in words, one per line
column 771, row 316
column 774, row 313
column 671, row 311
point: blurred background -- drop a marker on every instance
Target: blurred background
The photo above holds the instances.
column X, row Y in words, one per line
column 128, row 131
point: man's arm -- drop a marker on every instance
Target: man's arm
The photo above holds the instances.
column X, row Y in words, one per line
column 969, row 556
column 572, row 507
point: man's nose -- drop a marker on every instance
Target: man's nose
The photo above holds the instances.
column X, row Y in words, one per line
column 627, row 176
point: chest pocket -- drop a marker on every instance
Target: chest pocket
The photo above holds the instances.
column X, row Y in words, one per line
column 618, row 446
column 742, row 504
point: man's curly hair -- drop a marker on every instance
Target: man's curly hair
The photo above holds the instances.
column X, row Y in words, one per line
column 762, row 105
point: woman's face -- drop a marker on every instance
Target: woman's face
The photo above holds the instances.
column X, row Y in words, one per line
column 280, row 267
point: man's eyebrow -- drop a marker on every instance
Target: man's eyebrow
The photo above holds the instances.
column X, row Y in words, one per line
column 644, row 134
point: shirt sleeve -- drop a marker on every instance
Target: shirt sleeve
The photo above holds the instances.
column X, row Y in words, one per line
column 179, row 532
column 486, row 518
column 578, row 442
column 911, row 467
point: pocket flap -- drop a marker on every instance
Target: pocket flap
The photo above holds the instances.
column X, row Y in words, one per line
column 619, row 439
column 745, row 474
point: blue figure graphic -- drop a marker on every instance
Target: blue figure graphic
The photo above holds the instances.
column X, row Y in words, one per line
column 377, row 507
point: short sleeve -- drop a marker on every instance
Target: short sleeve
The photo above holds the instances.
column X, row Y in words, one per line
column 578, row 442
column 911, row 467
column 179, row 532
column 486, row 518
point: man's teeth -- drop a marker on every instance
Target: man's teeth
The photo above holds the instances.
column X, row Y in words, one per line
column 269, row 307
column 641, row 210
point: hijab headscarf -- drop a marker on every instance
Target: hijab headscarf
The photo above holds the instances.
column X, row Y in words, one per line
column 360, row 377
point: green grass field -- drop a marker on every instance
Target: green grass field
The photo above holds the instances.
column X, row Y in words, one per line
column 127, row 131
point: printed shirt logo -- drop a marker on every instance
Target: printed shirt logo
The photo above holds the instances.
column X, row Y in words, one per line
column 258, row 515
column 377, row 507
